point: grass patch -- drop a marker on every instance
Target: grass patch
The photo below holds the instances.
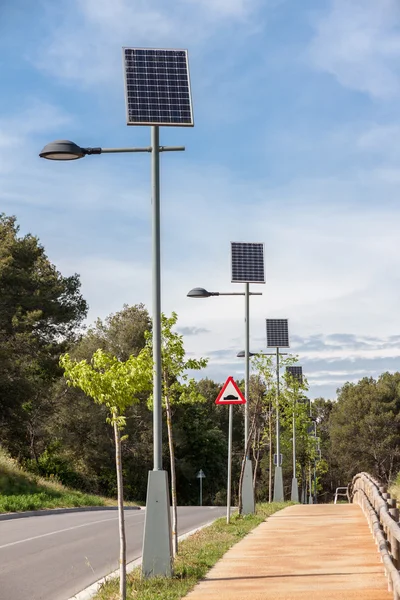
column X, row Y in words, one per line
column 197, row 555
column 20, row 491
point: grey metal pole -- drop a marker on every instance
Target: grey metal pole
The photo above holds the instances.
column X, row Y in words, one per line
column 228, row 491
column 157, row 407
column 246, row 367
column 278, row 479
column 294, row 443
column 157, row 554
column 315, row 482
column 201, row 491
column 294, row 496
column 278, row 428
column 248, row 505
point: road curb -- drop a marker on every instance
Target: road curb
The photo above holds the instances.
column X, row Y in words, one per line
column 60, row 511
column 93, row 589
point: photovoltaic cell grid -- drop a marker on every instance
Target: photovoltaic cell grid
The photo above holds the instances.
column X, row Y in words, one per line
column 157, row 87
column 247, row 261
column 296, row 373
column 277, row 333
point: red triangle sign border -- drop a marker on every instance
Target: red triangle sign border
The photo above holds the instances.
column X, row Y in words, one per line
column 240, row 399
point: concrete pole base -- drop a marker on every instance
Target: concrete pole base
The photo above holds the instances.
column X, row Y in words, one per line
column 157, row 555
column 247, row 489
column 278, row 485
column 295, row 490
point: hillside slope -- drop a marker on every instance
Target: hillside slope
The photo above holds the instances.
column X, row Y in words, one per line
column 20, row 491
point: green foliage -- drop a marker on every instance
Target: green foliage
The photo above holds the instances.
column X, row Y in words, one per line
column 80, row 426
column 53, row 463
column 394, row 489
column 40, row 313
column 109, row 381
column 121, row 334
column 364, row 427
column 291, row 400
column 36, row 299
column 20, row 490
column 176, row 383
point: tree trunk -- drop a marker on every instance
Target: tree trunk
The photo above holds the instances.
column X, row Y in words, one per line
column 173, row 477
column 121, row 520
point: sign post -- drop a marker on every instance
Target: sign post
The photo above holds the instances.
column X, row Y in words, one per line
column 230, row 395
column 201, row 476
column 228, row 494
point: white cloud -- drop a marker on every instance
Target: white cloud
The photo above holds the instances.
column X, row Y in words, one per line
column 227, row 8
column 35, row 117
column 17, row 129
column 380, row 139
column 358, row 41
column 84, row 45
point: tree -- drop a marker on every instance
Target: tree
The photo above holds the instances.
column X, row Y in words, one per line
column 263, row 365
column 116, row 385
column 200, row 435
column 120, row 334
column 176, row 388
column 84, row 440
column 40, row 314
column 255, row 400
column 257, row 392
column 296, row 414
column 330, row 479
column 288, row 404
column 365, row 427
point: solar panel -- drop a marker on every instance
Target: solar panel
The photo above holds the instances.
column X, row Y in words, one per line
column 247, row 262
column 277, row 333
column 296, row 373
column 157, row 87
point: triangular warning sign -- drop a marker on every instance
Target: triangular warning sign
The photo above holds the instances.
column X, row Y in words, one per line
column 230, row 393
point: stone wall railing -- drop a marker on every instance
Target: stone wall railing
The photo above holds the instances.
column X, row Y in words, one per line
column 383, row 518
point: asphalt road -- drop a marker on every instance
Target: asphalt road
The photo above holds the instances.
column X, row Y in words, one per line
column 53, row 557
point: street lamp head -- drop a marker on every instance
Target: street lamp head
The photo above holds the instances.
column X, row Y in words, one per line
column 62, row 150
column 199, row 293
column 242, row 354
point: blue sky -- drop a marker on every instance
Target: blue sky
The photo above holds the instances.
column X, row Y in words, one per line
column 295, row 145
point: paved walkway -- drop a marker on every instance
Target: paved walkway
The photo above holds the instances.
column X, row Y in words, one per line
column 316, row 552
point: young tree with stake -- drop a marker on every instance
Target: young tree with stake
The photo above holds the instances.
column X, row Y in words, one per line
column 115, row 384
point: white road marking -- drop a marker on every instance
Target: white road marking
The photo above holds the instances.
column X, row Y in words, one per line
column 36, row 537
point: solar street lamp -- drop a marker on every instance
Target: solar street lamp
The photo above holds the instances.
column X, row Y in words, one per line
column 277, row 337
column 247, row 264
column 242, row 354
column 157, row 93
